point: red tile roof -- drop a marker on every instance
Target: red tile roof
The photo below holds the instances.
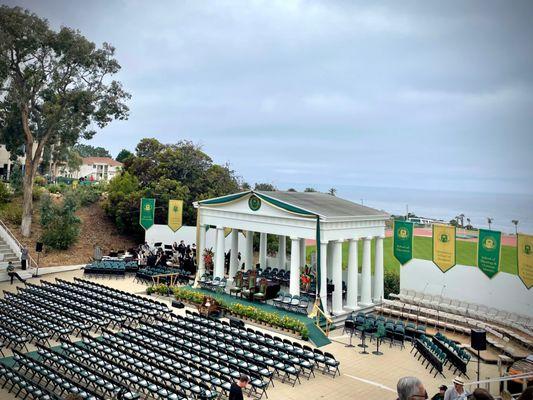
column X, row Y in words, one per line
column 101, row 160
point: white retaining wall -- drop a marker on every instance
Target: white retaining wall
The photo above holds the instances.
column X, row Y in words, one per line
column 504, row 291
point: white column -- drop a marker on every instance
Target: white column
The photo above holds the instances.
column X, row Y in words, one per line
column 249, row 258
column 336, row 299
column 294, row 285
column 263, row 250
column 282, row 252
column 324, row 275
column 302, row 253
column 234, row 254
column 378, row 270
column 353, row 275
column 219, row 253
column 200, row 247
column 366, row 287
column 330, row 260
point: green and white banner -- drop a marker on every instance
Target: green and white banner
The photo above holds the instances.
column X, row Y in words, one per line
column 488, row 252
column 147, row 213
column 403, row 241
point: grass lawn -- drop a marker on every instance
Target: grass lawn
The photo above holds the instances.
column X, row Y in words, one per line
column 466, row 254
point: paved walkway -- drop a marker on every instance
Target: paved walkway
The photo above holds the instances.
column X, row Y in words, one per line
column 363, row 377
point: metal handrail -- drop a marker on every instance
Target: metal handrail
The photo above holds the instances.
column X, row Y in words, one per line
column 30, row 258
column 317, row 313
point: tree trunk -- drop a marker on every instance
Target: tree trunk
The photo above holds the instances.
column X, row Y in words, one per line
column 27, row 187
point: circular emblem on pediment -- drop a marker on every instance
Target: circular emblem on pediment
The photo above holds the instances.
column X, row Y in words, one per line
column 254, row 203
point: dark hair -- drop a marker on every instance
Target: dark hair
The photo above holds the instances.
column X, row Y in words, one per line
column 482, row 394
column 244, row 378
column 527, row 394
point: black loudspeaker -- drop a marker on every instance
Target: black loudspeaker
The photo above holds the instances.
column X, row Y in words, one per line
column 39, row 247
column 177, row 304
column 478, row 339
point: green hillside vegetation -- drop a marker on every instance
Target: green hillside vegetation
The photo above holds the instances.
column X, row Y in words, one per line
column 466, row 254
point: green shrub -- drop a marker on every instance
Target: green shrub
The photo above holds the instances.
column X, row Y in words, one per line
column 37, row 192
column 251, row 312
column 5, row 193
column 87, row 195
column 61, row 227
column 391, row 283
column 12, row 212
column 39, row 181
column 15, row 178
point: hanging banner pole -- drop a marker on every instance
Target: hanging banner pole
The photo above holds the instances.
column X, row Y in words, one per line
column 175, row 214
column 488, row 252
column 403, row 241
column 444, row 248
column 524, row 253
column 147, row 213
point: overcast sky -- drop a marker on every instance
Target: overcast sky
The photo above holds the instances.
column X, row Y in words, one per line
column 435, row 95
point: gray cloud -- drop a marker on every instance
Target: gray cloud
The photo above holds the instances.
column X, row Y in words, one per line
column 414, row 94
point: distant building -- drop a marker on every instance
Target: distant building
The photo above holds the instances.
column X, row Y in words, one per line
column 6, row 164
column 95, row 169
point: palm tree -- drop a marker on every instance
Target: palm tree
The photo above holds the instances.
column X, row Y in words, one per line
column 332, row 191
column 489, row 220
column 515, row 222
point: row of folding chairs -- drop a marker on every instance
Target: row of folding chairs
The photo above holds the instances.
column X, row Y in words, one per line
column 134, row 376
column 70, row 308
column 286, row 368
column 216, row 285
column 196, row 364
column 296, row 303
column 18, row 384
column 171, row 378
column 85, row 375
column 55, row 313
column 42, row 374
column 324, row 360
column 160, row 308
column 111, row 314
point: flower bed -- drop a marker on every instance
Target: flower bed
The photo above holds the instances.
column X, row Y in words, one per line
column 239, row 310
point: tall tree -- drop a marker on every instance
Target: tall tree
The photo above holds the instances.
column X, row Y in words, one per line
column 57, row 84
column 121, row 157
column 267, row 187
column 86, row 150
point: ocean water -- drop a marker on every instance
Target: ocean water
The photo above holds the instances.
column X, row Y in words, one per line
column 445, row 205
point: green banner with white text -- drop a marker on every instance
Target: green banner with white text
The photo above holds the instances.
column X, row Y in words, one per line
column 403, row 241
column 488, row 252
column 147, row 213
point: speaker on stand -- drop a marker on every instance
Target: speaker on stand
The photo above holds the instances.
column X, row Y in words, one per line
column 478, row 341
column 38, row 250
column 349, row 325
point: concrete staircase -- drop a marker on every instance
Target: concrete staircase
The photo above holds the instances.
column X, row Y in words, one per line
column 8, row 255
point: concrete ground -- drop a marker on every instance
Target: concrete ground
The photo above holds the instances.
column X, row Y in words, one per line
column 362, row 376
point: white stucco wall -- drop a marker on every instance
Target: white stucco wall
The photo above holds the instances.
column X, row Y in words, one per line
column 504, row 291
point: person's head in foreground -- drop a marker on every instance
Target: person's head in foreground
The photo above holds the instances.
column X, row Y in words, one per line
column 243, row 380
column 481, row 394
column 442, row 389
column 411, row 388
column 458, row 384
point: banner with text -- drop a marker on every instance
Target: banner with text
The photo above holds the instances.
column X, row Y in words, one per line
column 444, row 246
column 175, row 214
column 403, row 241
column 524, row 249
column 488, row 252
column 147, row 213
